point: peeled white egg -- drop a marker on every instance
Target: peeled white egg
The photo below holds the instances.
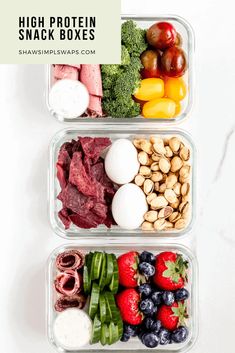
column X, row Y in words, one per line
column 129, row 206
column 121, row 162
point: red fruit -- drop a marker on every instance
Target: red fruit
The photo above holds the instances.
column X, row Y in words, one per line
column 151, row 60
column 170, row 271
column 173, row 62
column 172, row 316
column 128, row 269
column 161, row 35
column 128, row 303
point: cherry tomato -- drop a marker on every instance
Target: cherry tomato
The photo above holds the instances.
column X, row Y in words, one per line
column 150, row 88
column 175, row 88
column 161, row 35
column 177, row 108
column 159, row 108
column 151, row 60
column 173, row 62
column 179, row 40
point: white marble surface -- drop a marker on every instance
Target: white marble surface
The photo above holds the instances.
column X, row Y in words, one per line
column 26, row 238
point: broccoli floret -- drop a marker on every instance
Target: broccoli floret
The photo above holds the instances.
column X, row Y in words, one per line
column 121, row 108
column 111, row 69
column 133, row 38
column 107, row 81
column 125, row 58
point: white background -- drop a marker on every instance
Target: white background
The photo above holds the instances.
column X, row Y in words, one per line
column 26, row 237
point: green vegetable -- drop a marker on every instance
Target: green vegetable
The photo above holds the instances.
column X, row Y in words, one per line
column 133, row 38
column 121, row 81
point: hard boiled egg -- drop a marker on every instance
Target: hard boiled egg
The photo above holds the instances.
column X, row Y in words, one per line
column 129, row 206
column 121, row 162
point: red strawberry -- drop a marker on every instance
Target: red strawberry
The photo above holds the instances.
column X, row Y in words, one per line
column 172, row 316
column 170, row 271
column 128, row 269
column 128, row 303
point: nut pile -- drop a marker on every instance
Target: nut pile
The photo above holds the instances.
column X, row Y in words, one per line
column 164, row 176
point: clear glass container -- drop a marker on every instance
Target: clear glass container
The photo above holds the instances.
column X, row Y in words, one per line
column 133, row 344
column 186, row 31
column 113, row 132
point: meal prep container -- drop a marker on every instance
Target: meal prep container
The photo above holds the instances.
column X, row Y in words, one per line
column 113, row 132
column 183, row 27
column 133, row 344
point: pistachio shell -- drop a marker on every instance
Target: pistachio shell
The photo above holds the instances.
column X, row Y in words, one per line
column 145, row 171
column 139, row 180
column 148, row 186
column 151, row 216
column 157, row 176
column 171, row 180
column 180, row 224
column 158, row 202
column 147, row 226
column 184, row 153
column 174, row 144
column 158, row 146
column 170, row 196
column 150, row 197
column 159, row 224
column 146, row 146
column 165, row 212
column 176, row 164
column 164, row 165
column 143, row 158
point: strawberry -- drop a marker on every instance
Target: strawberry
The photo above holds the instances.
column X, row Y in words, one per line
column 170, row 271
column 128, row 302
column 128, row 269
column 172, row 316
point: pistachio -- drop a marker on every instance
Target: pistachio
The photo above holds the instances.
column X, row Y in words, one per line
column 151, row 216
column 176, row 164
column 175, row 205
column 169, row 225
column 158, row 146
column 185, row 179
column 150, row 197
column 164, row 165
column 137, row 143
column 170, row 196
column 143, row 158
column 171, row 180
column 145, row 171
column 177, row 189
column 174, row 144
column 146, row 146
column 148, row 186
column 159, row 224
column 184, row 207
column 157, row 176
column 180, row 224
column 165, row 212
column 139, row 180
column 184, row 153
column 156, row 186
column 174, row 217
column 153, row 139
column 168, row 152
column 166, row 141
column 185, row 198
column 154, row 166
column 156, row 157
column 162, row 188
column 147, row 226
column 158, row 202
column 184, row 171
column 185, row 189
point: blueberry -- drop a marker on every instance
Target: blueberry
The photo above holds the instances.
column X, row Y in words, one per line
column 164, row 336
column 181, row 294
column 130, row 330
column 147, row 306
column 125, row 337
column 145, row 289
column 148, row 323
column 156, row 326
column 157, row 297
column 150, row 340
column 141, row 332
column 146, row 256
column 180, row 334
column 146, row 269
column 168, row 298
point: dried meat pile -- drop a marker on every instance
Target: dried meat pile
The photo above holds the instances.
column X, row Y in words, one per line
column 86, row 191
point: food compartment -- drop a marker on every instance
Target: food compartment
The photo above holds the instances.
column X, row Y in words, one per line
column 153, row 83
column 121, row 183
column 89, row 290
